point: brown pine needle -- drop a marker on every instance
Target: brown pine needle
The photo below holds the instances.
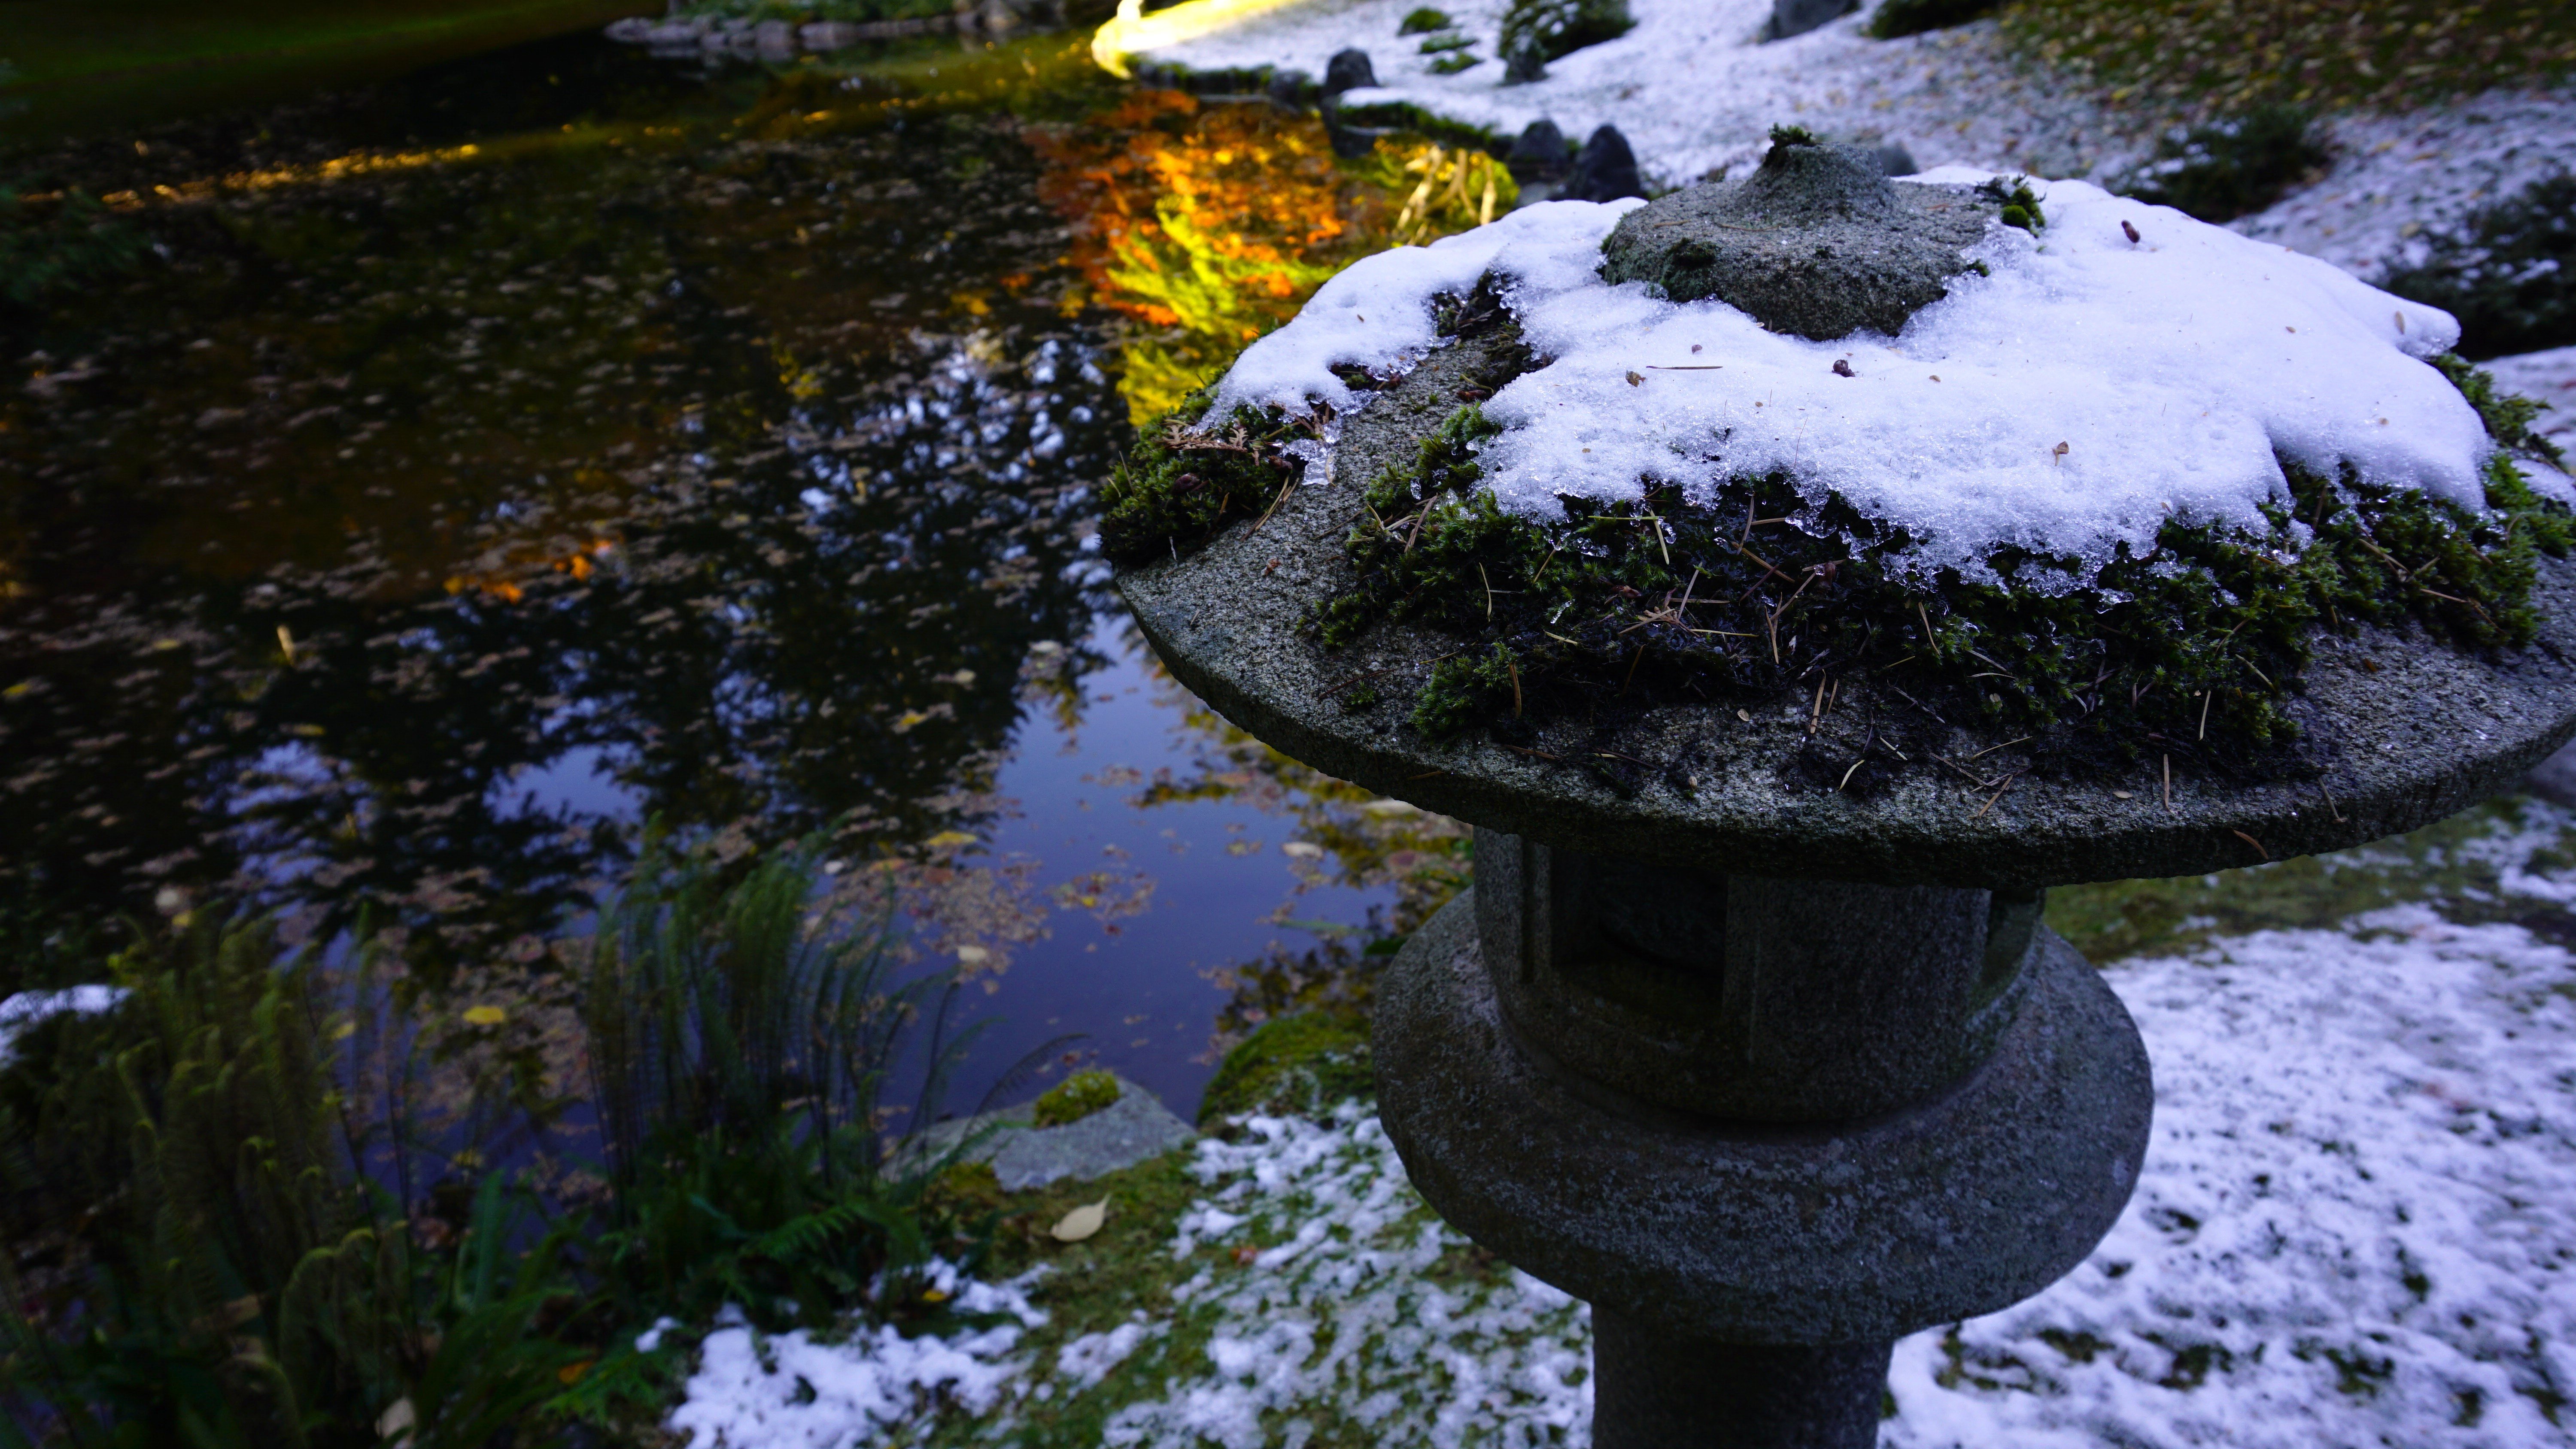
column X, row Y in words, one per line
column 2250, row 840
column 1991, row 799
column 2206, row 696
column 1847, row 774
column 1516, row 687
column 2169, row 785
column 1274, row 505
column 1632, row 669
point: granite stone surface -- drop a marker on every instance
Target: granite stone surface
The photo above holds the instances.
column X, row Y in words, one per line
column 1817, row 241
column 2404, row 730
column 1128, row 1131
column 1853, row 1233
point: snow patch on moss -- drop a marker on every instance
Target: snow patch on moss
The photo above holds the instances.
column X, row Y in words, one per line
column 2071, row 402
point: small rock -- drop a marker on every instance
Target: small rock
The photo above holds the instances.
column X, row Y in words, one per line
column 674, row 33
column 2554, row 779
column 1127, row 1131
column 1349, row 70
column 1540, row 154
column 1895, row 160
column 1605, row 170
column 1797, row 17
column 1291, row 90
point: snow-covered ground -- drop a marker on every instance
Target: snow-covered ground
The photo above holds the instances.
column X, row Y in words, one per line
column 2356, row 1225
column 2548, row 378
column 1693, row 92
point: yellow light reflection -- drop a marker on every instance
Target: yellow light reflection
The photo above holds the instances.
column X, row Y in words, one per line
column 1132, row 30
column 1209, row 226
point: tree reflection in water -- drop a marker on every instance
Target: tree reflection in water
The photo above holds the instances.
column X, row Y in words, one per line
column 725, row 461
column 729, row 438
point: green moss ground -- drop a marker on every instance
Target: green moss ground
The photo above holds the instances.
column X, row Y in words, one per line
column 2451, row 865
column 1076, row 1097
column 1299, row 1065
column 1304, row 1064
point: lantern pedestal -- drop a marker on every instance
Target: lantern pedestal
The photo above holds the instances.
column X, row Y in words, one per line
column 1764, row 1127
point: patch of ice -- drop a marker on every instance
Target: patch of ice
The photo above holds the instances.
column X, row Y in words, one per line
column 650, row 1340
column 1084, row 1361
column 795, row 1391
column 26, row 1010
column 2086, row 391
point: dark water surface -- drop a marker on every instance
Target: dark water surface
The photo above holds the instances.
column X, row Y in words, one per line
column 494, row 459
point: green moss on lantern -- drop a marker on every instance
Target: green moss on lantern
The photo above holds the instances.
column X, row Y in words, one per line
column 1187, row 479
column 2190, row 650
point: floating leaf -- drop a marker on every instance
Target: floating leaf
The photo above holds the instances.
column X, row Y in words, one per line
column 485, row 1016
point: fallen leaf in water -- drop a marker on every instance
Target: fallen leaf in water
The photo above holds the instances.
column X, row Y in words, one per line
column 1082, row 1222
column 485, row 1016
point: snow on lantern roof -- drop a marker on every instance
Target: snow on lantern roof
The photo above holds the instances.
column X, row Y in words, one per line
column 2073, row 390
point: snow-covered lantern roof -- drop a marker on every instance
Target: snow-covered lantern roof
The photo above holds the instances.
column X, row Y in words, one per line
column 1950, row 528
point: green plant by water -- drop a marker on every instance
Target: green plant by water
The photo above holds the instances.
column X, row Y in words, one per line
column 54, row 242
column 232, row 1224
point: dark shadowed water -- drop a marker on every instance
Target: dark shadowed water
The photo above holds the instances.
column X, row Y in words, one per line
column 490, row 461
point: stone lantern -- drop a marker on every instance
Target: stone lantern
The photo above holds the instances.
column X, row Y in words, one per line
column 1772, row 1076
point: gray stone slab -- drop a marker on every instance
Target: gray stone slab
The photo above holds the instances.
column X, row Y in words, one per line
column 1817, row 241
column 2554, row 779
column 2406, row 730
column 1135, row 1127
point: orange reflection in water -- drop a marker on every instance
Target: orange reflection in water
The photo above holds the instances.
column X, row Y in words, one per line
column 1209, row 225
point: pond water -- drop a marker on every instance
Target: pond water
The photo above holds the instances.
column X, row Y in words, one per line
column 487, row 463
